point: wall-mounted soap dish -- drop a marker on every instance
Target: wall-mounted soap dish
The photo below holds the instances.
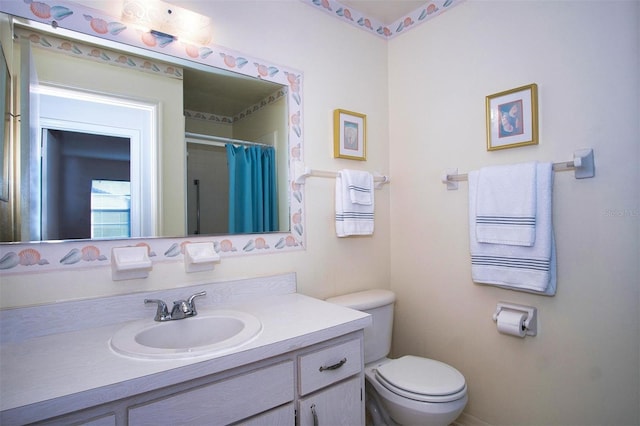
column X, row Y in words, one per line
column 200, row 257
column 128, row 263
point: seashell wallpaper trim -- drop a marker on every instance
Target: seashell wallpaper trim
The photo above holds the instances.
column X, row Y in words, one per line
column 196, row 115
column 375, row 27
column 20, row 258
column 47, row 256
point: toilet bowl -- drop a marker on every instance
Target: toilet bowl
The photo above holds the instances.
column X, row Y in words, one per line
column 419, row 401
column 410, row 390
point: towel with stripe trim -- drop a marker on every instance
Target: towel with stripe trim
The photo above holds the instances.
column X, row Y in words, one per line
column 525, row 268
column 353, row 218
column 506, row 204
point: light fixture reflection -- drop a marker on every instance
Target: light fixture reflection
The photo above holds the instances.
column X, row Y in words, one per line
column 168, row 20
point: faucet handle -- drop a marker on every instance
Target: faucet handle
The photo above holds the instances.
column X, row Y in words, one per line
column 192, row 303
column 162, row 313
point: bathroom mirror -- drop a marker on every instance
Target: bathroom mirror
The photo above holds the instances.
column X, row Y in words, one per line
column 252, row 81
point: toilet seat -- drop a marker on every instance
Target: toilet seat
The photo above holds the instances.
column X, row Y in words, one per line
column 422, row 379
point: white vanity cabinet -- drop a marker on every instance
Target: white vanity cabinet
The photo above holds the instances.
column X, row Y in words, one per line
column 323, row 382
column 307, row 359
column 257, row 395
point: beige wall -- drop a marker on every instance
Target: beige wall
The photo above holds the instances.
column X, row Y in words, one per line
column 583, row 367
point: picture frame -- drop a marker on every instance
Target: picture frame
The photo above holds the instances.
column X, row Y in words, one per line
column 349, row 135
column 512, row 118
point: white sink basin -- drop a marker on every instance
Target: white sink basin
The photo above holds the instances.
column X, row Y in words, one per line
column 208, row 333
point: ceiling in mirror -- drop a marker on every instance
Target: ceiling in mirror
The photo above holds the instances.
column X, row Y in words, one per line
column 111, row 34
column 231, row 95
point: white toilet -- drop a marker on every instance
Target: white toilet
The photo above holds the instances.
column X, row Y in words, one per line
column 409, row 390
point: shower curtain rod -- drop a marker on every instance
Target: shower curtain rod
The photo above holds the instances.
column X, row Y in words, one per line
column 219, row 140
column 583, row 165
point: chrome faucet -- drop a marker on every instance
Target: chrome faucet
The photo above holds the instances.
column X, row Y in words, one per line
column 181, row 308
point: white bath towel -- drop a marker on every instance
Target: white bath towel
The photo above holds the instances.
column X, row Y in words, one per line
column 506, row 204
column 352, row 219
column 359, row 185
column 531, row 269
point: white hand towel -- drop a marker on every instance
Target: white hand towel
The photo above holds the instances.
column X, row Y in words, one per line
column 359, row 185
column 352, row 219
column 506, row 204
column 531, row 269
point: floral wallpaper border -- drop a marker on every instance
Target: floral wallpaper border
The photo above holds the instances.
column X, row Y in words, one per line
column 17, row 258
column 46, row 256
column 197, row 115
column 373, row 26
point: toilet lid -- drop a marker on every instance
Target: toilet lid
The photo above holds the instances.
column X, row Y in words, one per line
column 422, row 379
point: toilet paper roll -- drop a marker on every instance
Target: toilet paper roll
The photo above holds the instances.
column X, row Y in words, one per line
column 512, row 322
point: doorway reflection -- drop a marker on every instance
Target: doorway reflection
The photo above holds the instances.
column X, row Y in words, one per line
column 71, row 164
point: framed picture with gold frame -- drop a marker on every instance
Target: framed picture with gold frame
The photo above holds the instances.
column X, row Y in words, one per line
column 349, row 135
column 512, row 118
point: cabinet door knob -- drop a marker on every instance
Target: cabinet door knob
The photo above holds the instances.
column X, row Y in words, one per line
column 335, row 366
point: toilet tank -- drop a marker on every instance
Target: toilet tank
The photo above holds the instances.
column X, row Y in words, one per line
column 379, row 304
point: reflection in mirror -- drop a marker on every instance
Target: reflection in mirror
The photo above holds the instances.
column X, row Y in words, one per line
column 85, row 172
column 191, row 196
column 5, row 122
column 232, row 185
column 235, row 161
column 87, row 138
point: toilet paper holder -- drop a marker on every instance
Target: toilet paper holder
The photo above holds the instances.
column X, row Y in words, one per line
column 530, row 323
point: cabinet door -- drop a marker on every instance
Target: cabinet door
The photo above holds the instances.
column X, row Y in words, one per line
column 222, row 402
column 281, row 416
column 340, row 404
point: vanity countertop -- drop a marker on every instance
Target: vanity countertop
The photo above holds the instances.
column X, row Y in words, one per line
column 77, row 369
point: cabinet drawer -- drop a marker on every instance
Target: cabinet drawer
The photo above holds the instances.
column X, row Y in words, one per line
column 221, row 402
column 329, row 365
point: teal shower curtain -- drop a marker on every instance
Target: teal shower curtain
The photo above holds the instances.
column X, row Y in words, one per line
column 253, row 205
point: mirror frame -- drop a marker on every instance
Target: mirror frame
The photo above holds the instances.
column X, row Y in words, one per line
column 90, row 24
